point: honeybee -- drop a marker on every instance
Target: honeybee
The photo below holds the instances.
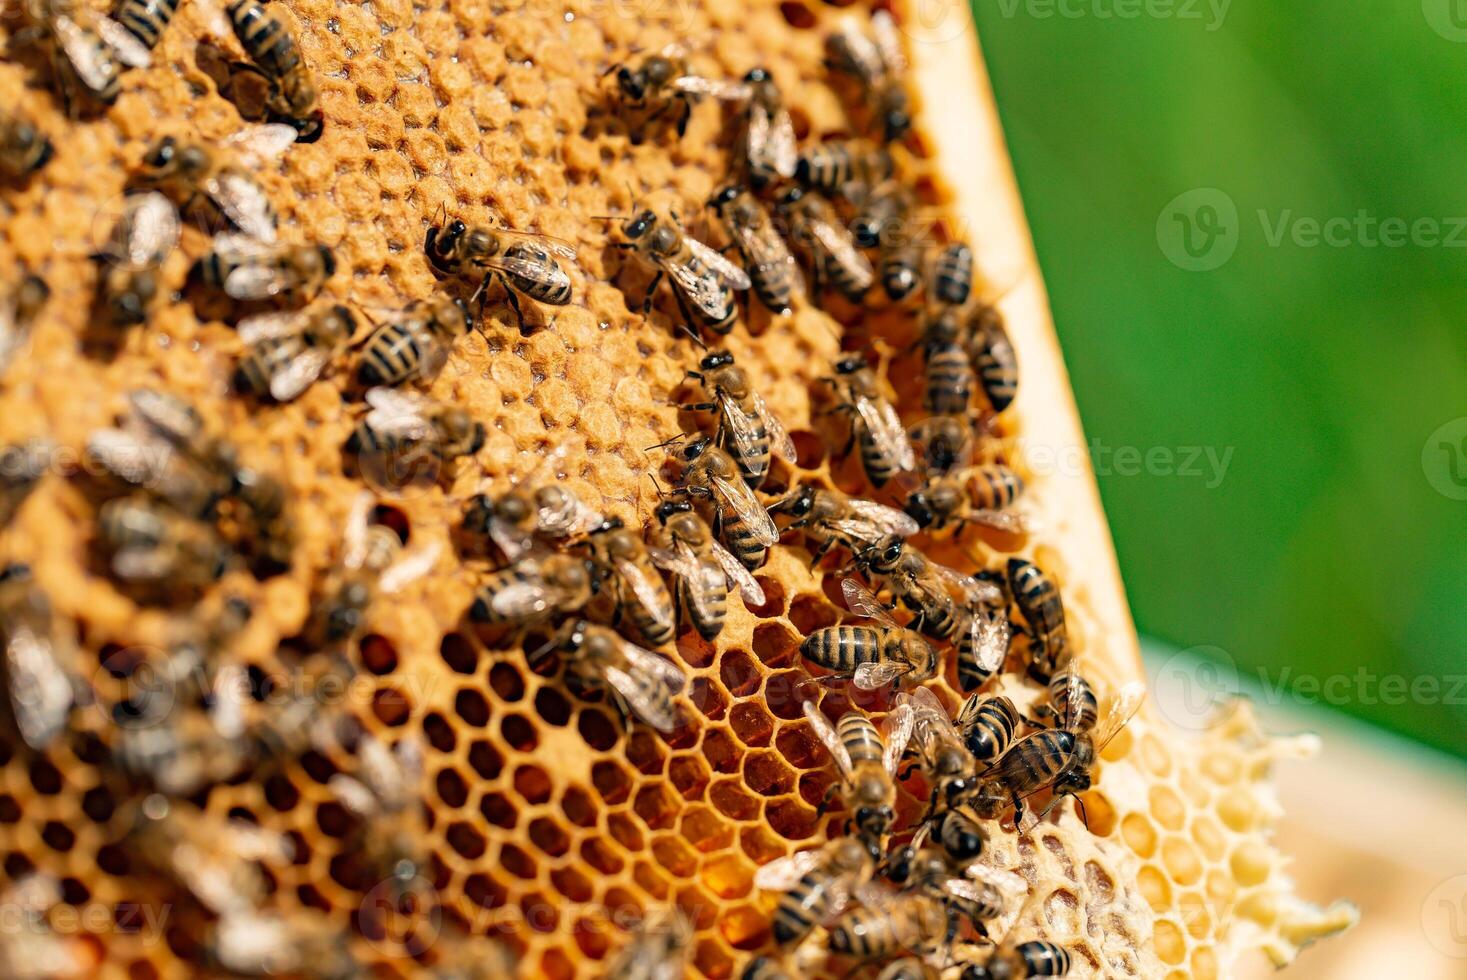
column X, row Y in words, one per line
column 176, row 750
column 533, row 589
column 830, row 518
column 950, row 768
column 658, row 951
column 923, row 586
column 373, row 563
column 158, row 549
column 703, row 281
column 18, row 311
column 517, row 519
column 961, row 888
column 764, row 968
column 983, row 642
column 146, row 20
column 1072, row 703
column 769, row 135
column 772, row 269
column 186, row 170
column 981, row 495
column 816, row 884
column 21, row 468
column 742, row 523
column 289, row 350
column 663, row 82
column 1058, row 758
column 871, row 656
column 29, row 950
column 404, row 428
column 881, row 219
column 290, row 89
column 24, row 149
column 993, row 357
column 619, row 556
column 948, row 376
column 900, row 270
column 640, row 683
column 38, row 679
column 875, row 425
column 849, row 169
column 245, row 268
column 416, row 344
column 877, row 67
column 1036, row 958
column 521, row 261
column 747, row 429
column 145, row 235
column 302, row 720
column 898, row 921
column 987, row 724
column 87, row 48
column 866, row 765
column 946, row 442
column 952, row 274
column 834, row 258
column 216, row 861
column 705, row 571
column 1044, row 613
column 384, row 794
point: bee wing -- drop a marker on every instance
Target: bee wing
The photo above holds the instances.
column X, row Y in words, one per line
column 127, row 457
column 717, row 88
column 299, row 374
column 738, row 425
column 579, row 520
column 256, row 281
column 245, row 203
column 520, row 600
column 258, row 145
column 756, row 132
column 709, row 581
column 409, row 568
column 649, row 590
column 151, row 221
column 843, row 251
column 862, row 49
column 231, row 687
column 731, row 274
column 784, row 873
column 268, row 326
column 555, row 246
column 929, row 715
column 638, row 700
column 885, row 426
column 129, row 50
column 1008, row 521
column 234, row 246
column 1119, row 711
column 736, row 574
column 742, row 501
column 784, row 151
column 888, row 41
column 93, row 65
column 702, row 289
column 859, row 532
column 888, row 520
column 779, row 439
column 966, row 585
column 991, row 633
column 509, row 539
column 40, row 692
column 647, row 662
column 870, row 677
column 139, row 564
column 398, row 413
column 35, row 894
column 827, row 734
column 358, row 519
column 860, row 601
column 538, row 267
column 899, row 726
column 353, row 794
column 1008, row 884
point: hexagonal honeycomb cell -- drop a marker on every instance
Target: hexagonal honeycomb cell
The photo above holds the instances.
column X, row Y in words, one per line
column 554, row 826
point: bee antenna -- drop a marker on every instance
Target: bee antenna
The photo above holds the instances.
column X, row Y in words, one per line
column 692, row 335
column 677, row 438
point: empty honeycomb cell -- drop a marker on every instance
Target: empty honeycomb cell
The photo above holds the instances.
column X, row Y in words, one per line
column 655, row 806
column 695, row 651
column 507, row 682
column 646, row 752
column 721, row 750
column 1098, row 814
column 548, row 836
column 556, row 965
column 591, row 937
column 733, row 800
column 439, row 732
column 452, row 789
column 1139, row 834
column 1250, row 864
column 775, row 644
column 1220, row 888
column 650, row 879
column 801, row 748
column 751, row 723
column 58, row 836
column 786, row 692
column 810, row 612
column 97, row 803
column 600, row 855
column 552, row 707
column 689, row 775
column 705, row 831
column 519, row 733
column 485, row 760
column 739, row 673
column 1181, row 860
column 675, row 856
column 791, row 819
column 466, row 841
column 1238, row 811
column 773, row 604
column 1196, row 914
column 378, row 655
column 708, row 696
column 744, row 927
column 1223, row 767
column 578, row 806
column 1155, row 888
column 533, row 784
column 597, row 729
column 767, row 774
column 1204, row 963
column 459, row 653
column 518, row 862
column 1166, row 807
column 625, row 830
column 1209, row 838
column 470, row 705
column 1168, row 941
column 45, row 778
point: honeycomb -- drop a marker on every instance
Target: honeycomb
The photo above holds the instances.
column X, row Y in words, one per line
column 553, row 827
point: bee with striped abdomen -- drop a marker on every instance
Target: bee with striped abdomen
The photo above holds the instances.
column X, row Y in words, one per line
column 659, row 950
column 640, row 682
column 518, row 519
column 993, row 357
column 245, row 268
column 146, row 20
column 289, row 350
column 703, row 281
column 619, row 556
column 24, row 149
column 534, row 589
column 983, row 643
column 705, row 571
column 948, row 376
column 768, row 142
column 18, row 311
column 87, row 49
column 415, row 344
column 1039, row 603
column 290, row 88
column 187, row 171
column 747, row 429
column 664, row 82
column 833, row 257
column 741, row 522
column 177, row 751
column 923, row 586
column 764, row 968
column 867, row 767
column 850, row 169
column 952, row 274
column 877, row 65
column 816, row 885
column 946, row 443
column 159, row 549
column 39, row 659
column 981, row 495
column 950, row 769
column 829, row 518
column 405, row 430
column 898, row 921
column 385, row 795
column 524, row 263
column 987, row 724
column 1036, row 958
column 132, row 262
column 871, row 656
column 875, row 425
column 772, row 269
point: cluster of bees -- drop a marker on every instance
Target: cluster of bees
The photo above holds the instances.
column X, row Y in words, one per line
column 177, row 506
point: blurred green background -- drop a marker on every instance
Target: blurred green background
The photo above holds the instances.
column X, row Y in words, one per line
column 1330, row 542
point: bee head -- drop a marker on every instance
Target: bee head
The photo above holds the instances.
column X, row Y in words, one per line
column 633, row 84
column 17, row 571
column 308, row 128
column 897, row 866
column 640, row 225
column 851, row 364
column 919, row 509
column 726, row 196
column 961, row 838
column 792, row 196
column 609, row 525
column 670, row 508
column 717, row 359
column 897, row 123
column 694, row 448
column 161, row 154
column 799, row 504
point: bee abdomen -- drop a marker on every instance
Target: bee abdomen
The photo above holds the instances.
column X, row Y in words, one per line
column 998, row 368
column 482, row 610
column 953, row 276
column 392, row 357
column 800, row 908
column 1083, row 715
column 740, row 539
column 899, row 275
column 1044, row 959
column 754, row 465
column 949, row 381
column 264, row 37
column 842, row 647
column 656, row 632
column 261, row 363
column 552, row 291
column 995, row 486
column 877, row 463
column 147, row 19
column 859, row 737
column 993, row 730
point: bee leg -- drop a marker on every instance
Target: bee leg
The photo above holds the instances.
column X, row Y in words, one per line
column 821, row 552
column 514, row 303
column 651, row 289
column 682, row 123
